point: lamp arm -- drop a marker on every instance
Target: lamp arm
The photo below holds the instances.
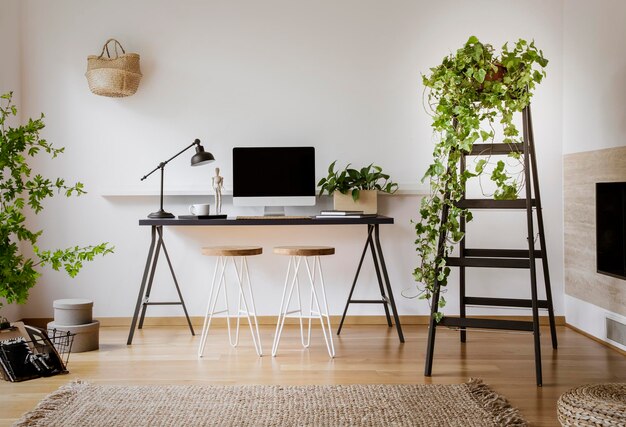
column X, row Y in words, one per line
column 162, row 164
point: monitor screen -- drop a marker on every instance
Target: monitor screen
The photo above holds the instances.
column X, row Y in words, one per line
column 274, row 176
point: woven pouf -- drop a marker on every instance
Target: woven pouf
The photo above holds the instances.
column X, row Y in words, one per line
column 593, row 405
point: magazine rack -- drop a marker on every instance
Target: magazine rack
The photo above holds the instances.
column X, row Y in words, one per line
column 28, row 352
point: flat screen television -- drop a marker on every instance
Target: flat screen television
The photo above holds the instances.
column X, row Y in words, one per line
column 611, row 228
column 274, row 177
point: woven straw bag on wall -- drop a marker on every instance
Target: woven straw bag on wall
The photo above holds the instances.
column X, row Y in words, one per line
column 114, row 77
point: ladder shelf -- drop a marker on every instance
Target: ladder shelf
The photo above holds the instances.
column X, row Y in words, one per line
column 500, row 258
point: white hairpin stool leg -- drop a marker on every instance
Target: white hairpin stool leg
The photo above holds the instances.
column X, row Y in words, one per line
column 220, row 264
column 326, row 328
column 330, row 335
column 241, row 278
column 278, row 331
column 299, row 311
column 284, row 306
column 228, row 315
column 309, row 318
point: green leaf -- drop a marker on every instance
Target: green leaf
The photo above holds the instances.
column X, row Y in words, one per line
column 480, row 166
column 480, row 75
column 331, row 167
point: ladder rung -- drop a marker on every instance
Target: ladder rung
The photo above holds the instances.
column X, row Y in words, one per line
column 162, row 303
column 488, row 262
column 493, row 204
column 470, row 322
column 368, row 301
column 495, row 149
column 504, row 302
column 501, row 253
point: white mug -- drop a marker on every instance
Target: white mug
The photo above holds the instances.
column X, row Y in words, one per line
column 200, row 209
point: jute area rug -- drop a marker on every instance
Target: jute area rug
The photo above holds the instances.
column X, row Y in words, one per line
column 82, row 404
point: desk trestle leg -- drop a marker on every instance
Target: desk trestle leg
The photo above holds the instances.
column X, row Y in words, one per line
column 143, row 299
column 373, row 243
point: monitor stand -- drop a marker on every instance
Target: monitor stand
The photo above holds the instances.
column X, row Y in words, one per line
column 274, row 211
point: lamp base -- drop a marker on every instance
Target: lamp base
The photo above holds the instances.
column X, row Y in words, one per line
column 161, row 214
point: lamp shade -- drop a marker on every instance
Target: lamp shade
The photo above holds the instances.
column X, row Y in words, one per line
column 201, row 157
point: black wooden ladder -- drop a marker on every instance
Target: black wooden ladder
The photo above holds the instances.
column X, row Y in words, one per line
column 500, row 258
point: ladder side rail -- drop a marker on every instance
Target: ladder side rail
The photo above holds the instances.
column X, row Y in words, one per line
column 462, row 292
column 542, row 234
column 434, row 306
column 531, row 248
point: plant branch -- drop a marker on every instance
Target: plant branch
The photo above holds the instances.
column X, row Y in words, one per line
column 19, row 190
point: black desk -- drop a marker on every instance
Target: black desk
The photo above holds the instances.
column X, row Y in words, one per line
column 372, row 242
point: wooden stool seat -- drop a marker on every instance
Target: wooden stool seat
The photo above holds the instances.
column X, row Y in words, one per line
column 304, row 250
column 232, row 250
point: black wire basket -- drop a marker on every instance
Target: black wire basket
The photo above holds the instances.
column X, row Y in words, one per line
column 39, row 354
column 62, row 341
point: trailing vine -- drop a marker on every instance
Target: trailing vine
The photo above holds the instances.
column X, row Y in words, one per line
column 470, row 94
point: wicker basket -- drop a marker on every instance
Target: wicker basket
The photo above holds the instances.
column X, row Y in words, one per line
column 593, row 405
column 114, row 77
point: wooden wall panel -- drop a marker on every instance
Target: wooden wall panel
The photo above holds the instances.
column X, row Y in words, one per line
column 580, row 173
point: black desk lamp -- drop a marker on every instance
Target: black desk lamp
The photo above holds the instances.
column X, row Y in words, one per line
column 200, row 158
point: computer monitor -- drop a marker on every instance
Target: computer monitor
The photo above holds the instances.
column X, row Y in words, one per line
column 274, row 177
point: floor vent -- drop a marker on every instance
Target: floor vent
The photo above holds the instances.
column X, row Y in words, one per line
column 616, row 331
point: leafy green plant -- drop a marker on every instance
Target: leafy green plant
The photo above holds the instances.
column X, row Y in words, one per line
column 470, row 94
column 351, row 180
column 21, row 189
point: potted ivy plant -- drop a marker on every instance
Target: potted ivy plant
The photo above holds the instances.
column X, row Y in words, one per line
column 356, row 189
column 471, row 94
column 22, row 190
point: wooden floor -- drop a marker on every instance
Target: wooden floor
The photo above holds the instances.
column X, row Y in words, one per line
column 366, row 354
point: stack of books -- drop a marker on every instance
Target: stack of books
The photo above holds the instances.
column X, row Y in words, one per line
column 343, row 214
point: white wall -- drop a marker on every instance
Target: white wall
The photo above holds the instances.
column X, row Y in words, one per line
column 594, row 94
column 10, row 81
column 10, row 47
column 342, row 76
column 594, row 81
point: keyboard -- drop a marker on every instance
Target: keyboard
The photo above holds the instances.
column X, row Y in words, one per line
column 285, row 217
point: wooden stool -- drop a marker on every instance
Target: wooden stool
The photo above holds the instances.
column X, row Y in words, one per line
column 296, row 254
column 225, row 254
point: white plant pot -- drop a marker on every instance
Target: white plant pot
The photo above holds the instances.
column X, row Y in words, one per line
column 367, row 202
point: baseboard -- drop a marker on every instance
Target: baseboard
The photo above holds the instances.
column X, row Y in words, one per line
column 596, row 339
column 197, row 321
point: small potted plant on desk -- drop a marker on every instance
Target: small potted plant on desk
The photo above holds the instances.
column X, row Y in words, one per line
column 356, row 189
